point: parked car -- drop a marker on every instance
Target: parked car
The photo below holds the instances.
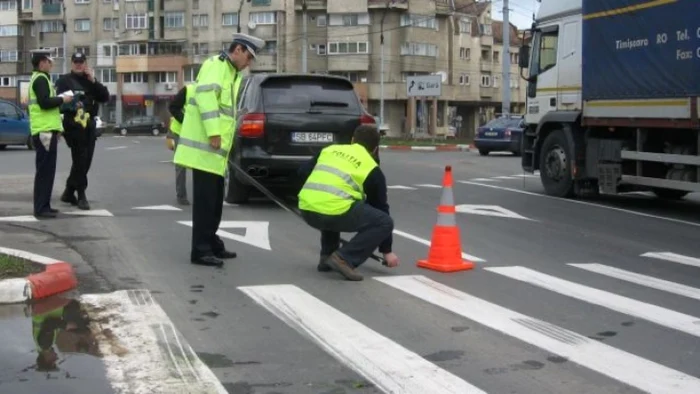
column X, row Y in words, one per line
column 14, row 126
column 284, row 119
column 140, row 125
column 501, row 134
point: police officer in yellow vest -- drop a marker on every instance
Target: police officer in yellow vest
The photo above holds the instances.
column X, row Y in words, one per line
column 207, row 139
column 177, row 112
column 345, row 191
column 45, row 124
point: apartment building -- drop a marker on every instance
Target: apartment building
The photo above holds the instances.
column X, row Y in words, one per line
column 145, row 50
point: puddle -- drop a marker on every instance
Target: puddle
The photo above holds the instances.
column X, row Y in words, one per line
column 49, row 348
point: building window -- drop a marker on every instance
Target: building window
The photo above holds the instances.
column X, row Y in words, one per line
column 260, row 3
column 8, row 81
column 106, row 75
column 424, row 21
column 485, row 80
column 109, row 24
column 465, row 27
column 465, row 53
column 82, row 25
column 174, row 20
column 347, row 48
column 348, row 19
column 82, row 1
column 321, row 20
column 485, row 29
column 55, row 26
column 191, row 72
column 133, row 49
column 353, row 76
column 195, row 4
column 270, row 48
column 419, row 49
column 83, row 49
column 10, row 30
column 514, row 81
column 135, row 77
column 166, row 77
column 229, row 19
column 200, row 20
column 200, row 48
column 8, row 5
column 321, row 49
column 464, row 79
column 263, row 18
column 27, row 4
column 496, row 81
column 136, row 21
column 109, row 50
column 55, row 52
column 9, row 56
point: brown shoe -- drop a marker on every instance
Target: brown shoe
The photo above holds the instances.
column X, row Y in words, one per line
column 345, row 269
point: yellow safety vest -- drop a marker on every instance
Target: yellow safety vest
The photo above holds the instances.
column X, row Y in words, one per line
column 38, row 320
column 175, row 126
column 337, row 179
column 43, row 120
column 210, row 112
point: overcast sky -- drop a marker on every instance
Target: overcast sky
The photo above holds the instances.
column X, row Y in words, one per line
column 520, row 11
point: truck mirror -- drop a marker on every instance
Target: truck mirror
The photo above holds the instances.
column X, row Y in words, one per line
column 524, row 56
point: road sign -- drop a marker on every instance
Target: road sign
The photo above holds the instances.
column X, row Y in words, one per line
column 424, row 85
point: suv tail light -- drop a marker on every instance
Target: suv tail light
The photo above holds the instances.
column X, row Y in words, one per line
column 507, row 133
column 367, row 119
column 252, row 125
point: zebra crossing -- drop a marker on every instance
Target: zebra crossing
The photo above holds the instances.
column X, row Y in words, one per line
column 393, row 368
column 501, row 178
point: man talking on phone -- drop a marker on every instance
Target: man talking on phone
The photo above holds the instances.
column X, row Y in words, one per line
column 79, row 125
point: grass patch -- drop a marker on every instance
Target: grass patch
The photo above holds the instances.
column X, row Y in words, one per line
column 15, row 267
column 425, row 141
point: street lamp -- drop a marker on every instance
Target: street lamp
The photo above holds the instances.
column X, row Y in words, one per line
column 381, row 72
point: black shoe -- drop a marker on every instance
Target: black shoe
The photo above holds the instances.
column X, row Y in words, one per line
column 83, row 204
column 226, row 254
column 69, row 197
column 322, row 266
column 46, row 215
column 53, row 210
column 183, row 201
column 209, row 261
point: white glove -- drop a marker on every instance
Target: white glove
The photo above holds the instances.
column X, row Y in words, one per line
column 45, row 139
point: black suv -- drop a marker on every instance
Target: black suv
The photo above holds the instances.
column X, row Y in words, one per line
column 283, row 120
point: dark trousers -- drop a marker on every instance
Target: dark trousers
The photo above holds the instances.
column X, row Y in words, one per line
column 82, row 149
column 371, row 225
column 207, row 207
column 45, row 173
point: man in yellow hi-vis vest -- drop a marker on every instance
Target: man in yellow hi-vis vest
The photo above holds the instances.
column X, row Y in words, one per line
column 345, row 191
column 206, row 140
column 177, row 112
column 45, row 124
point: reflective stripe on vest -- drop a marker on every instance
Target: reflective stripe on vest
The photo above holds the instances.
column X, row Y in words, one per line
column 42, row 120
column 203, row 113
column 337, row 179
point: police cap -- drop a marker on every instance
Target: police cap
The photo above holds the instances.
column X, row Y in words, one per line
column 41, row 54
column 251, row 43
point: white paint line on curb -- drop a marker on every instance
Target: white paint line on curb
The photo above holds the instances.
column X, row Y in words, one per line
column 149, row 354
column 426, row 242
column 19, row 289
column 29, row 256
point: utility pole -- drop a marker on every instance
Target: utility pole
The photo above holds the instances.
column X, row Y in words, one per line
column 305, row 38
column 64, row 39
column 506, row 60
column 381, row 62
column 240, row 8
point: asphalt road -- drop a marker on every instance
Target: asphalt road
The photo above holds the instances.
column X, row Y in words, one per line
column 595, row 296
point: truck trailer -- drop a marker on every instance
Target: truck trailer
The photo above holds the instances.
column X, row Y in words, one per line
column 613, row 97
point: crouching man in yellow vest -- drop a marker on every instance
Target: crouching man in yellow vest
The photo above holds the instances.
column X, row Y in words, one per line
column 346, row 192
column 177, row 112
column 206, row 140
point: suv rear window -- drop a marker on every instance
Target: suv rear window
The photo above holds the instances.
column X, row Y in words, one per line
column 295, row 95
column 503, row 122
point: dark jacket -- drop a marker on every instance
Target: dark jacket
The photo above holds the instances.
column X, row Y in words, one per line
column 89, row 94
column 374, row 187
column 42, row 90
column 177, row 105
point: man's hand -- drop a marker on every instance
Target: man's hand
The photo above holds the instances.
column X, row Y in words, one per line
column 89, row 74
column 215, row 142
column 67, row 99
column 392, row 260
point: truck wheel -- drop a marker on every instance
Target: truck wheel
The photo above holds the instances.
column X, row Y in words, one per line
column 237, row 192
column 555, row 165
column 670, row 194
column 483, row 152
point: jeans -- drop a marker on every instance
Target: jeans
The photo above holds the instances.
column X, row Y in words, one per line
column 371, row 225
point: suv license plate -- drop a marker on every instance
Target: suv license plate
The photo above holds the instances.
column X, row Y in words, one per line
column 491, row 133
column 312, row 137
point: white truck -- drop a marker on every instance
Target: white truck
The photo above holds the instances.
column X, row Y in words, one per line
column 613, row 97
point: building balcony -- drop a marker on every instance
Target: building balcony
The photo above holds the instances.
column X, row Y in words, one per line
column 487, row 40
column 443, row 7
column 396, row 4
column 51, row 9
column 151, row 63
column 311, row 5
column 411, row 63
column 358, row 62
column 487, row 91
column 485, row 65
column 26, row 15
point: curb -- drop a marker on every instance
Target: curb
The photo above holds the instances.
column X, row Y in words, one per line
column 429, row 148
column 58, row 277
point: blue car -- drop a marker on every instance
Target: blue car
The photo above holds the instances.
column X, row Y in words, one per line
column 14, row 126
column 502, row 134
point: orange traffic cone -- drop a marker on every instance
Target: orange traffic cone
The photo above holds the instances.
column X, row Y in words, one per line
column 445, row 253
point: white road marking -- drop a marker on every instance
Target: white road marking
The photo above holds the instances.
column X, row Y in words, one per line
column 256, row 233
column 37, row 258
column 525, row 176
column 165, row 161
column 607, row 360
column 426, row 242
column 485, row 180
column 158, row 208
column 674, row 258
column 145, row 353
column 505, row 177
column 429, row 185
column 391, row 367
column 590, row 204
column 136, row 141
column 19, row 219
column 96, row 212
column 653, row 313
column 400, row 187
column 643, row 280
column 488, row 210
column 116, row 147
